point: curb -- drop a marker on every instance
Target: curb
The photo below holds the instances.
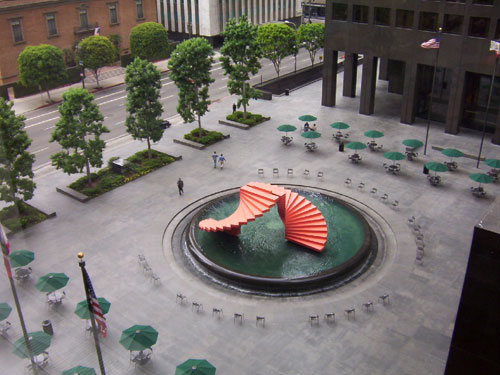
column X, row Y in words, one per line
column 197, row 145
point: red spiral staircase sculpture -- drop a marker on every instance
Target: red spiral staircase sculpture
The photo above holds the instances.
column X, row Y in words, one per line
column 304, row 223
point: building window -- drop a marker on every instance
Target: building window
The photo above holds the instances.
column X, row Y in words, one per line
column 382, row 16
column 404, row 18
column 360, row 13
column 497, row 31
column 139, row 9
column 339, row 12
column 84, row 21
column 479, row 26
column 50, row 18
column 17, row 30
column 456, row 1
column 483, row 2
column 428, row 21
column 113, row 14
column 453, row 24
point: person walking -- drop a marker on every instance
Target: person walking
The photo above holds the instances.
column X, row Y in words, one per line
column 180, row 186
column 234, row 107
column 222, row 160
column 215, row 157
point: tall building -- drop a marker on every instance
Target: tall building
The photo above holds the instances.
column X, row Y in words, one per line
column 207, row 18
column 389, row 35
column 62, row 23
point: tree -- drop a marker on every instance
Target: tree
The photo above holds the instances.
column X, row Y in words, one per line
column 276, row 41
column 240, row 58
column 189, row 66
column 78, row 132
column 95, row 52
column 16, row 173
column 142, row 80
column 39, row 66
column 149, row 41
column 312, row 37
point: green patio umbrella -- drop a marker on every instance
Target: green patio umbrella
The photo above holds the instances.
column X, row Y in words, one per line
column 452, row 152
column 374, row 134
column 311, row 134
column 5, row 310
column 339, row 125
column 138, row 337
column 493, row 163
column 79, row 370
column 413, row 143
column 436, row 167
column 39, row 341
column 482, row 178
column 82, row 309
column 51, row 282
column 355, row 145
column 195, row 367
column 21, row 258
column 307, row 118
column 394, row 155
column 286, row 128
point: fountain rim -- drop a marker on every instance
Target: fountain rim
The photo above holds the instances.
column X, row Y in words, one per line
column 267, row 283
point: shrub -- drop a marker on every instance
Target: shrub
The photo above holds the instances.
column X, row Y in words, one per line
column 207, row 137
column 19, row 217
column 251, row 120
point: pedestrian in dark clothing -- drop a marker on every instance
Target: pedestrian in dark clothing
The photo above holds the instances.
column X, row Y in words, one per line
column 180, row 185
column 215, row 157
column 234, row 107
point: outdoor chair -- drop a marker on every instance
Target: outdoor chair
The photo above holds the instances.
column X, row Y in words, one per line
column 217, row 312
column 147, row 268
column 260, row 319
column 289, row 172
column 40, row 360
column 314, row 319
column 329, row 316
column 348, row 182
column 4, row 327
column 306, row 172
column 155, row 278
column 395, row 204
column 260, row 172
column 196, row 306
column 419, row 258
column 238, row 316
column 276, row 172
column 349, row 312
column 180, row 297
column 361, row 186
column 368, row 306
column 373, row 191
column 320, row 174
column 412, row 221
column 22, row 274
column 384, row 197
column 141, row 258
column 494, row 173
column 452, row 165
column 385, row 299
column 478, row 191
column 380, row 148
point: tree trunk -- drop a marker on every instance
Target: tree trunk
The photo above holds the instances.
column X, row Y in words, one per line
column 88, row 172
column 149, row 149
column 97, row 77
column 244, row 101
column 295, row 66
column 199, row 126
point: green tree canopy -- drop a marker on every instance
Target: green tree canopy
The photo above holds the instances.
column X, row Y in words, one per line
column 149, row 41
column 276, row 41
column 16, row 163
column 95, row 52
column 189, row 66
column 41, row 65
column 142, row 80
column 312, row 37
column 241, row 57
column 78, row 132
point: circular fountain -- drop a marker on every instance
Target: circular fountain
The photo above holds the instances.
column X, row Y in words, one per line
column 260, row 260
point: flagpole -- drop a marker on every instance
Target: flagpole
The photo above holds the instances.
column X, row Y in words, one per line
column 432, row 92
column 487, row 110
column 5, row 252
column 81, row 263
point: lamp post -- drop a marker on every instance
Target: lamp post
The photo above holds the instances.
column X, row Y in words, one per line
column 291, row 24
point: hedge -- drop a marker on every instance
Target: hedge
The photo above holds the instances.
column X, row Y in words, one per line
column 73, row 77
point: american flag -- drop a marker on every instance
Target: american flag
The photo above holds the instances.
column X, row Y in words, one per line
column 97, row 31
column 431, row 43
column 94, row 304
column 495, row 46
column 5, row 250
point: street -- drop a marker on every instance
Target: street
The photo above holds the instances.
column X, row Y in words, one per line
column 40, row 123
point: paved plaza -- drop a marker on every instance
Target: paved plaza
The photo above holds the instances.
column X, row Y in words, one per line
column 410, row 335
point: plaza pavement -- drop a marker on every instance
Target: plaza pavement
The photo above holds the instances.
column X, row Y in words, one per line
column 411, row 335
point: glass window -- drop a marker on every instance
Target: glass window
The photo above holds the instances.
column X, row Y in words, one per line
column 339, row 12
column 479, row 26
column 497, row 31
column 456, row 1
column 483, row 2
column 360, row 13
column 382, row 16
column 140, row 10
column 404, row 18
column 452, row 24
column 50, row 18
column 428, row 21
column 113, row 14
column 17, row 31
column 84, row 21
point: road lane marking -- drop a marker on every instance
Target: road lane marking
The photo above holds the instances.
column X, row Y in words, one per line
column 225, row 79
column 50, row 127
column 168, row 97
column 113, row 100
column 41, row 122
column 105, row 96
column 168, row 83
column 38, row 151
column 45, row 114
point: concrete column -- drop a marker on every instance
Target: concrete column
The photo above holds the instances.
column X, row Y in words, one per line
column 455, row 101
column 329, row 90
column 368, row 84
column 409, row 93
column 382, row 69
column 350, row 74
column 496, row 136
column 231, row 14
column 224, row 10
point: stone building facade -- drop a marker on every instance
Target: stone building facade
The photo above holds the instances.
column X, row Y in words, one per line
column 389, row 33
column 62, row 23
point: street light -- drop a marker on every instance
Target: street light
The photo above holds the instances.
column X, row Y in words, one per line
column 291, row 24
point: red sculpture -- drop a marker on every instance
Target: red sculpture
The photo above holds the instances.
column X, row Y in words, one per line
column 303, row 222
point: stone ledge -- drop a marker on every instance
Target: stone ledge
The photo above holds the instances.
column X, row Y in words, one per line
column 73, row 194
column 44, row 210
column 234, row 124
column 196, row 145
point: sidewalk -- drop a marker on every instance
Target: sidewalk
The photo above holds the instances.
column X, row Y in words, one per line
column 409, row 336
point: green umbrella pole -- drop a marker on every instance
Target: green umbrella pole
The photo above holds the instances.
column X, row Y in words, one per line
column 5, row 252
